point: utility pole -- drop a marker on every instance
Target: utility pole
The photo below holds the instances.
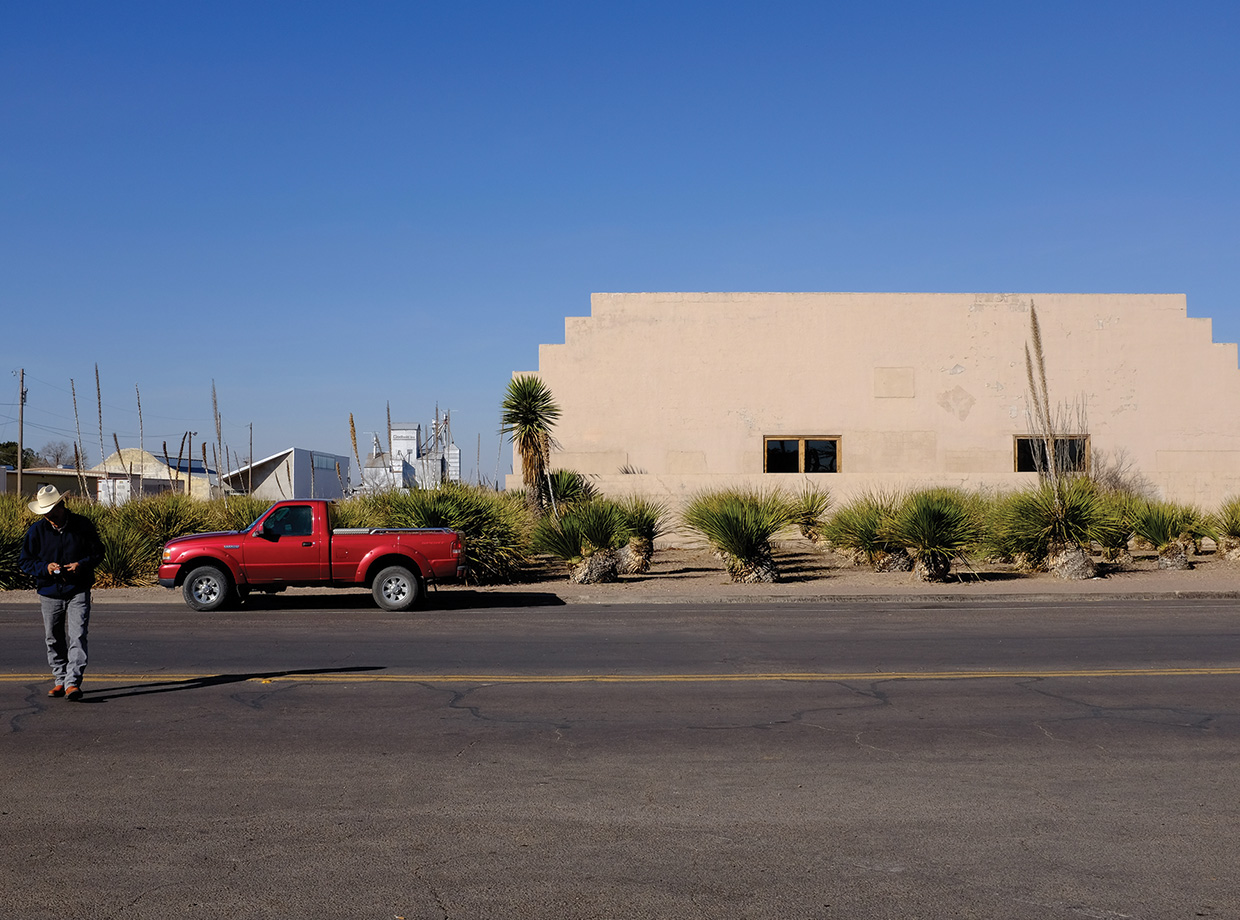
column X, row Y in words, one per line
column 21, row 443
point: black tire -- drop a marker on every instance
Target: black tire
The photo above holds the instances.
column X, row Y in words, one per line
column 396, row 588
column 206, row 588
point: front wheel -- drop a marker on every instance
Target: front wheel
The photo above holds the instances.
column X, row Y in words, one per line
column 206, row 588
column 396, row 588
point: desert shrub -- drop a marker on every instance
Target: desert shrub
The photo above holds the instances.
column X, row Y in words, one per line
column 494, row 526
column 1227, row 519
column 862, row 526
column 581, row 530
column 739, row 524
column 1114, row 471
column 238, row 513
column 586, row 537
column 936, row 526
column 1028, row 524
column 1122, row 507
column 130, row 556
column 15, row 519
column 1161, row 523
column 161, row 517
column 1226, row 524
column 809, row 511
column 646, row 521
column 370, row 509
column 562, row 489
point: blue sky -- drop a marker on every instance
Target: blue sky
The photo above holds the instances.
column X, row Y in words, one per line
column 324, row 208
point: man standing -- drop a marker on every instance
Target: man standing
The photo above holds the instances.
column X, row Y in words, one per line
column 61, row 551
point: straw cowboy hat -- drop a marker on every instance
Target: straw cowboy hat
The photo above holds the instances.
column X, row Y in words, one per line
column 46, row 499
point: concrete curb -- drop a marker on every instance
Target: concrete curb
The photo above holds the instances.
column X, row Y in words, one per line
column 939, row 599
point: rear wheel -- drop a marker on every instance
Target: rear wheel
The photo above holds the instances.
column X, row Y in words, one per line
column 206, row 588
column 396, row 588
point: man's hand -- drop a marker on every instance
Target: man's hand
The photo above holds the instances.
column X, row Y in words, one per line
column 70, row 567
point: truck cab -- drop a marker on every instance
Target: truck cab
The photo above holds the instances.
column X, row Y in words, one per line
column 293, row 543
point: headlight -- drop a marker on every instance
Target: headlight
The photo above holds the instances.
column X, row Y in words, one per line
column 167, row 554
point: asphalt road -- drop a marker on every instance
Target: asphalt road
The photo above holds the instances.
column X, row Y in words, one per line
column 785, row 760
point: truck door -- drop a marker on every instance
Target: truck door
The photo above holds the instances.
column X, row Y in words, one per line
column 287, row 547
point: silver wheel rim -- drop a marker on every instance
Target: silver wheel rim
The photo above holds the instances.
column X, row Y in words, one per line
column 206, row 590
column 395, row 589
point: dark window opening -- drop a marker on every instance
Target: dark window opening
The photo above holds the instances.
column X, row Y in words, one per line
column 782, row 456
column 802, row 455
column 1071, row 454
column 820, row 456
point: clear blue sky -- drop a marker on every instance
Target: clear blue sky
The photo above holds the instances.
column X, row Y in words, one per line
column 327, row 207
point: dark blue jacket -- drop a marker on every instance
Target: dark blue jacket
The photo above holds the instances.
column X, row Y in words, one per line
column 78, row 542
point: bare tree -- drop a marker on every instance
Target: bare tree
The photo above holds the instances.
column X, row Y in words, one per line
column 56, row 453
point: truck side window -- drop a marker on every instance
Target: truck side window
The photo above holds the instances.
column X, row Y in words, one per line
column 291, row 521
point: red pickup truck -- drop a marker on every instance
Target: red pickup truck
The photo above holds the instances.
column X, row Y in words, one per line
column 293, row 543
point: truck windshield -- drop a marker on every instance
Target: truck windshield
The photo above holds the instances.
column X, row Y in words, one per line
column 250, row 526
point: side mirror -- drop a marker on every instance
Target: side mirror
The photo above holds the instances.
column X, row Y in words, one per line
column 269, row 531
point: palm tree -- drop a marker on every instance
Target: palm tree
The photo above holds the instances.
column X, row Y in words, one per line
column 529, row 412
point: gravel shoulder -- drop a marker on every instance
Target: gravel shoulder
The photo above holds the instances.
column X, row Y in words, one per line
column 682, row 575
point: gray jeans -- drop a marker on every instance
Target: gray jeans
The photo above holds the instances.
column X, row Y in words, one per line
column 65, row 621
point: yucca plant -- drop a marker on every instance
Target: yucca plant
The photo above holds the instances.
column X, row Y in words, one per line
column 646, row 521
column 1172, row 529
column 1053, row 525
column 495, row 527
column 739, row 525
column 130, row 557
column 15, row 519
column 238, row 513
column 862, row 527
column 1227, row 529
column 561, row 489
column 164, row 516
column 937, row 526
column 1122, row 506
column 809, row 511
column 586, row 537
column 367, row 509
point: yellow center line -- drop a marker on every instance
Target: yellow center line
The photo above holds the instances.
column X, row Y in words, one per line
column 839, row 676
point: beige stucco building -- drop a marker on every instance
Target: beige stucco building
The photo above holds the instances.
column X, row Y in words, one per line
column 666, row 394
column 131, row 472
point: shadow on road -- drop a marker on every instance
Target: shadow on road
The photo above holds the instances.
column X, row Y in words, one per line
column 213, row 680
column 456, row 599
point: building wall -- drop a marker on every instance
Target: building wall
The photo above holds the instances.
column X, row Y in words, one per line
column 155, row 475
column 293, row 474
column 920, row 388
column 317, row 474
column 65, row 480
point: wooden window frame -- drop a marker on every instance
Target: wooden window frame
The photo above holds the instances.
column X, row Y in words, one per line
column 801, row 439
